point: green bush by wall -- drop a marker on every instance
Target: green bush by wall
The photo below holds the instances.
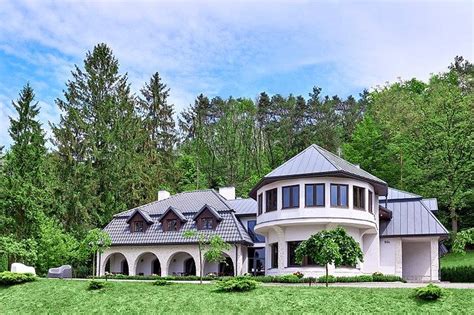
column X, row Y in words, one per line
column 458, row 274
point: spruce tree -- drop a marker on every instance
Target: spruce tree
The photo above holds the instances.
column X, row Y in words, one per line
column 99, row 141
column 157, row 119
column 23, row 187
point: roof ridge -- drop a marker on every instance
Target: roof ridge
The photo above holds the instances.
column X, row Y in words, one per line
column 317, row 147
column 221, row 198
column 434, row 217
column 234, row 218
column 294, row 157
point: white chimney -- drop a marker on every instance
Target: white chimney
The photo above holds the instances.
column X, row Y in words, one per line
column 227, row 192
column 163, row 194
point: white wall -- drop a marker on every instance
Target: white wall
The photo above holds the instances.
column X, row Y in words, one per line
column 416, row 262
column 327, row 214
column 176, row 264
column 165, row 254
column 284, row 234
column 145, row 266
column 388, row 247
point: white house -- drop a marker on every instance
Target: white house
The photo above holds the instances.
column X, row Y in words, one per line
column 315, row 190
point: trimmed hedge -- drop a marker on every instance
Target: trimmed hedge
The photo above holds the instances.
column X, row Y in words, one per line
column 11, row 278
column 458, row 274
column 289, row 278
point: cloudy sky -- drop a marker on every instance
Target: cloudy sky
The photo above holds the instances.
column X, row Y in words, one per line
column 237, row 48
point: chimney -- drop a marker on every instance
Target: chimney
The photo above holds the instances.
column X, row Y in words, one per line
column 227, row 192
column 357, row 165
column 163, row 194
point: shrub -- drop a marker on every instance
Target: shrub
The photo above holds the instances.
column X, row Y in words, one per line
column 330, row 279
column 458, row 274
column 161, row 282
column 430, row 293
column 287, row 279
column 379, row 277
column 237, row 284
column 361, row 278
column 3, row 263
column 298, row 274
column 96, row 285
column 11, row 278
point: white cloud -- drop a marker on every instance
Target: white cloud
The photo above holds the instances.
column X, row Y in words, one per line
column 219, row 47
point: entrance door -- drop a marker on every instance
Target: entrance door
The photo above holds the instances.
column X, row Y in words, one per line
column 156, row 267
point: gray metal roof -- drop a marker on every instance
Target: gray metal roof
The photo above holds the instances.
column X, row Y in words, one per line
column 315, row 161
column 411, row 218
column 245, row 206
column 431, row 204
column 187, row 204
column 397, row 194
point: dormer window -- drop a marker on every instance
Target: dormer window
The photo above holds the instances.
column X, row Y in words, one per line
column 207, row 218
column 139, row 221
column 172, row 225
column 172, row 220
column 207, row 223
column 139, row 226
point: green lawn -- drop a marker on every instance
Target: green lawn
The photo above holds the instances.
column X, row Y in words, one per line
column 455, row 260
column 62, row 296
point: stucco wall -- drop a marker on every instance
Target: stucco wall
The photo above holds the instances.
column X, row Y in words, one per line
column 327, row 214
column 413, row 258
column 166, row 254
column 284, row 234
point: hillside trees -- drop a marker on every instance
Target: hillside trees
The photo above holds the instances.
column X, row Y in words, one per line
column 419, row 137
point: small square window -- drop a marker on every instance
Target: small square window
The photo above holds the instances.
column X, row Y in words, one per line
column 207, row 223
column 139, row 226
column 172, row 225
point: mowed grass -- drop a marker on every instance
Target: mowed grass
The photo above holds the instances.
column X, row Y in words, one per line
column 456, row 260
column 69, row 297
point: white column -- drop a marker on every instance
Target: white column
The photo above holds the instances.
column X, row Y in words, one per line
column 398, row 257
column 434, row 267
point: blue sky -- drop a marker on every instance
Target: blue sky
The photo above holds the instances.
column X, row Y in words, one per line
column 224, row 48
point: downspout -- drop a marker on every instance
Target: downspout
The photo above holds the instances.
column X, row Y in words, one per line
column 236, row 262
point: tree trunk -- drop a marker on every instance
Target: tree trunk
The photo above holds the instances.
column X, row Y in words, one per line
column 93, row 265
column 200, row 266
column 454, row 219
column 327, row 275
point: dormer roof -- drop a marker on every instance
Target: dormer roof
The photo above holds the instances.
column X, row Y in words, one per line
column 316, row 161
column 175, row 211
column 143, row 214
column 211, row 210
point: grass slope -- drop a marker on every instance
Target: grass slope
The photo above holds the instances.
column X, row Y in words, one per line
column 61, row 296
column 456, row 260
